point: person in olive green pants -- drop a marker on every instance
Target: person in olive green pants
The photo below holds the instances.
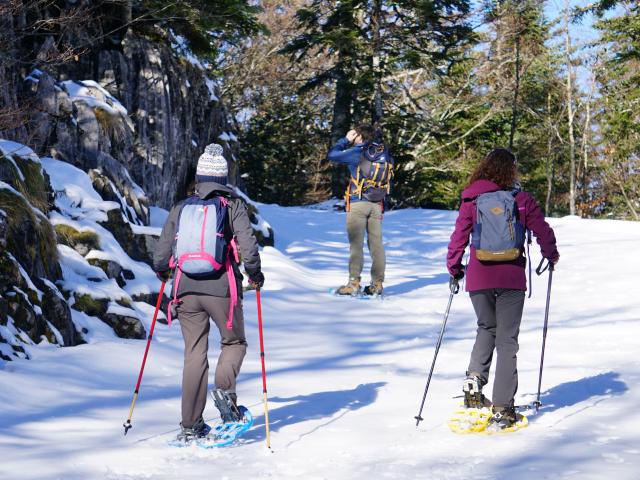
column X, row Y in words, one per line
column 363, row 215
column 366, row 217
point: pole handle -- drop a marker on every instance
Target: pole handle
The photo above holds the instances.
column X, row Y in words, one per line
column 549, row 266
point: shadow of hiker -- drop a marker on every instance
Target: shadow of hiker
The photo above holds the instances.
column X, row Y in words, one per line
column 416, row 283
column 572, row 393
column 319, row 405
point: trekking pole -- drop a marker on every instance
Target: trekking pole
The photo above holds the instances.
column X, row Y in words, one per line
column 127, row 425
column 264, row 371
column 546, row 322
column 454, row 288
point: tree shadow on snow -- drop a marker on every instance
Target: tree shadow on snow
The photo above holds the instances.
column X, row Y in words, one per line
column 416, row 283
column 571, row 393
column 302, row 408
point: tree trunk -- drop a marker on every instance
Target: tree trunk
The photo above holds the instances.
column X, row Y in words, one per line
column 514, row 107
column 549, row 164
column 377, row 110
column 570, row 115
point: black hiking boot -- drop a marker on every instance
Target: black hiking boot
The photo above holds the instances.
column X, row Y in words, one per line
column 352, row 288
column 503, row 417
column 199, row 430
column 374, row 289
column 226, row 405
column 472, row 390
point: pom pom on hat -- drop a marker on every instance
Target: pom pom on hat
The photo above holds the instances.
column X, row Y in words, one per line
column 212, row 166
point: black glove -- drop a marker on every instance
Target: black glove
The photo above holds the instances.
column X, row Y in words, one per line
column 256, row 279
column 453, row 283
column 164, row 276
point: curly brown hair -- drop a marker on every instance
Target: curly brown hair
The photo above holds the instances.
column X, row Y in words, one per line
column 499, row 166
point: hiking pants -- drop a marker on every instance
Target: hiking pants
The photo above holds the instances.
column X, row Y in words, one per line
column 193, row 313
column 365, row 217
column 499, row 311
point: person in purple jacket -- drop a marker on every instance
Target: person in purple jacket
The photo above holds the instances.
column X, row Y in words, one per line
column 497, row 289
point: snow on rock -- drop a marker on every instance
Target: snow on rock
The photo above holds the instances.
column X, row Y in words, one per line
column 75, row 195
column 9, row 149
column 94, row 95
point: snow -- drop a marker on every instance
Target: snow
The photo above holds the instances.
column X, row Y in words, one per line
column 211, row 85
column 9, row 149
column 74, row 191
column 345, row 376
column 34, row 76
column 94, row 95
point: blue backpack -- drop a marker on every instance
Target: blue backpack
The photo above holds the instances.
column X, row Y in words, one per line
column 498, row 235
column 201, row 246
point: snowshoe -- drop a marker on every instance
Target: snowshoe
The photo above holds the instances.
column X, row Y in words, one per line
column 469, row 420
column 225, row 434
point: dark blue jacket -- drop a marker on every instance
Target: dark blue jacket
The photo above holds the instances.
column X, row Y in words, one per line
column 344, row 153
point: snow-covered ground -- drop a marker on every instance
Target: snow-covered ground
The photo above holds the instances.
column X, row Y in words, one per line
column 346, row 377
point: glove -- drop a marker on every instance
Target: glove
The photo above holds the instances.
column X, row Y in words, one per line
column 256, row 279
column 163, row 276
column 453, row 283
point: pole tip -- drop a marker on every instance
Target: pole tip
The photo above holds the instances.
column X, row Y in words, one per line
column 418, row 419
column 127, row 425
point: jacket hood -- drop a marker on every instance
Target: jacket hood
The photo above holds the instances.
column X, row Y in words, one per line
column 206, row 189
column 478, row 188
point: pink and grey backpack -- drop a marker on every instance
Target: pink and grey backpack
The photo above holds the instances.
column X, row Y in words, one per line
column 201, row 247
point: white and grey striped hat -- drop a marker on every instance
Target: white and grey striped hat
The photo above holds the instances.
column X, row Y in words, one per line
column 212, row 166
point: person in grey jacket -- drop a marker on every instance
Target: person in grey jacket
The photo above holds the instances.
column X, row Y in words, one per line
column 202, row 298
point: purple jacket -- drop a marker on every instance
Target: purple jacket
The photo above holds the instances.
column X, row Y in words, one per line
column 483, row 275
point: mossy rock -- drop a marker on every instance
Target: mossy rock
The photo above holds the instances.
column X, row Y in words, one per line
column 110, row 268
column 81, row 241
column 125, row 326
column 91, row 306
column 35, row 186
column 124, row 302
column 30, row 237
column 133, row 244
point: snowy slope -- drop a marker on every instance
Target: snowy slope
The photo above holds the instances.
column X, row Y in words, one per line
column 345, row 376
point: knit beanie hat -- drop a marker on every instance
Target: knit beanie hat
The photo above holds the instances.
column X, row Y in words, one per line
column 212, row 166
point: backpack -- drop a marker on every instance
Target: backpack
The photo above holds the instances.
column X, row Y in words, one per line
column 497, row 235
column 374, row 173
column 201, row 245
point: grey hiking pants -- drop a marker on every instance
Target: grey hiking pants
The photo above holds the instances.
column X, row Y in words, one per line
column 193, row 314
column 365, row 217
column 499, row 312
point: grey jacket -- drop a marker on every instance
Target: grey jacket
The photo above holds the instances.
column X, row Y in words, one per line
column 238, row 225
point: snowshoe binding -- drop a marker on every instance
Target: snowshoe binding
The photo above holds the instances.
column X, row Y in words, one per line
column 188, row 435
column 350, row 289
column 505, row 419
column 226, row 405
column 472, row 390
column 374, row 290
